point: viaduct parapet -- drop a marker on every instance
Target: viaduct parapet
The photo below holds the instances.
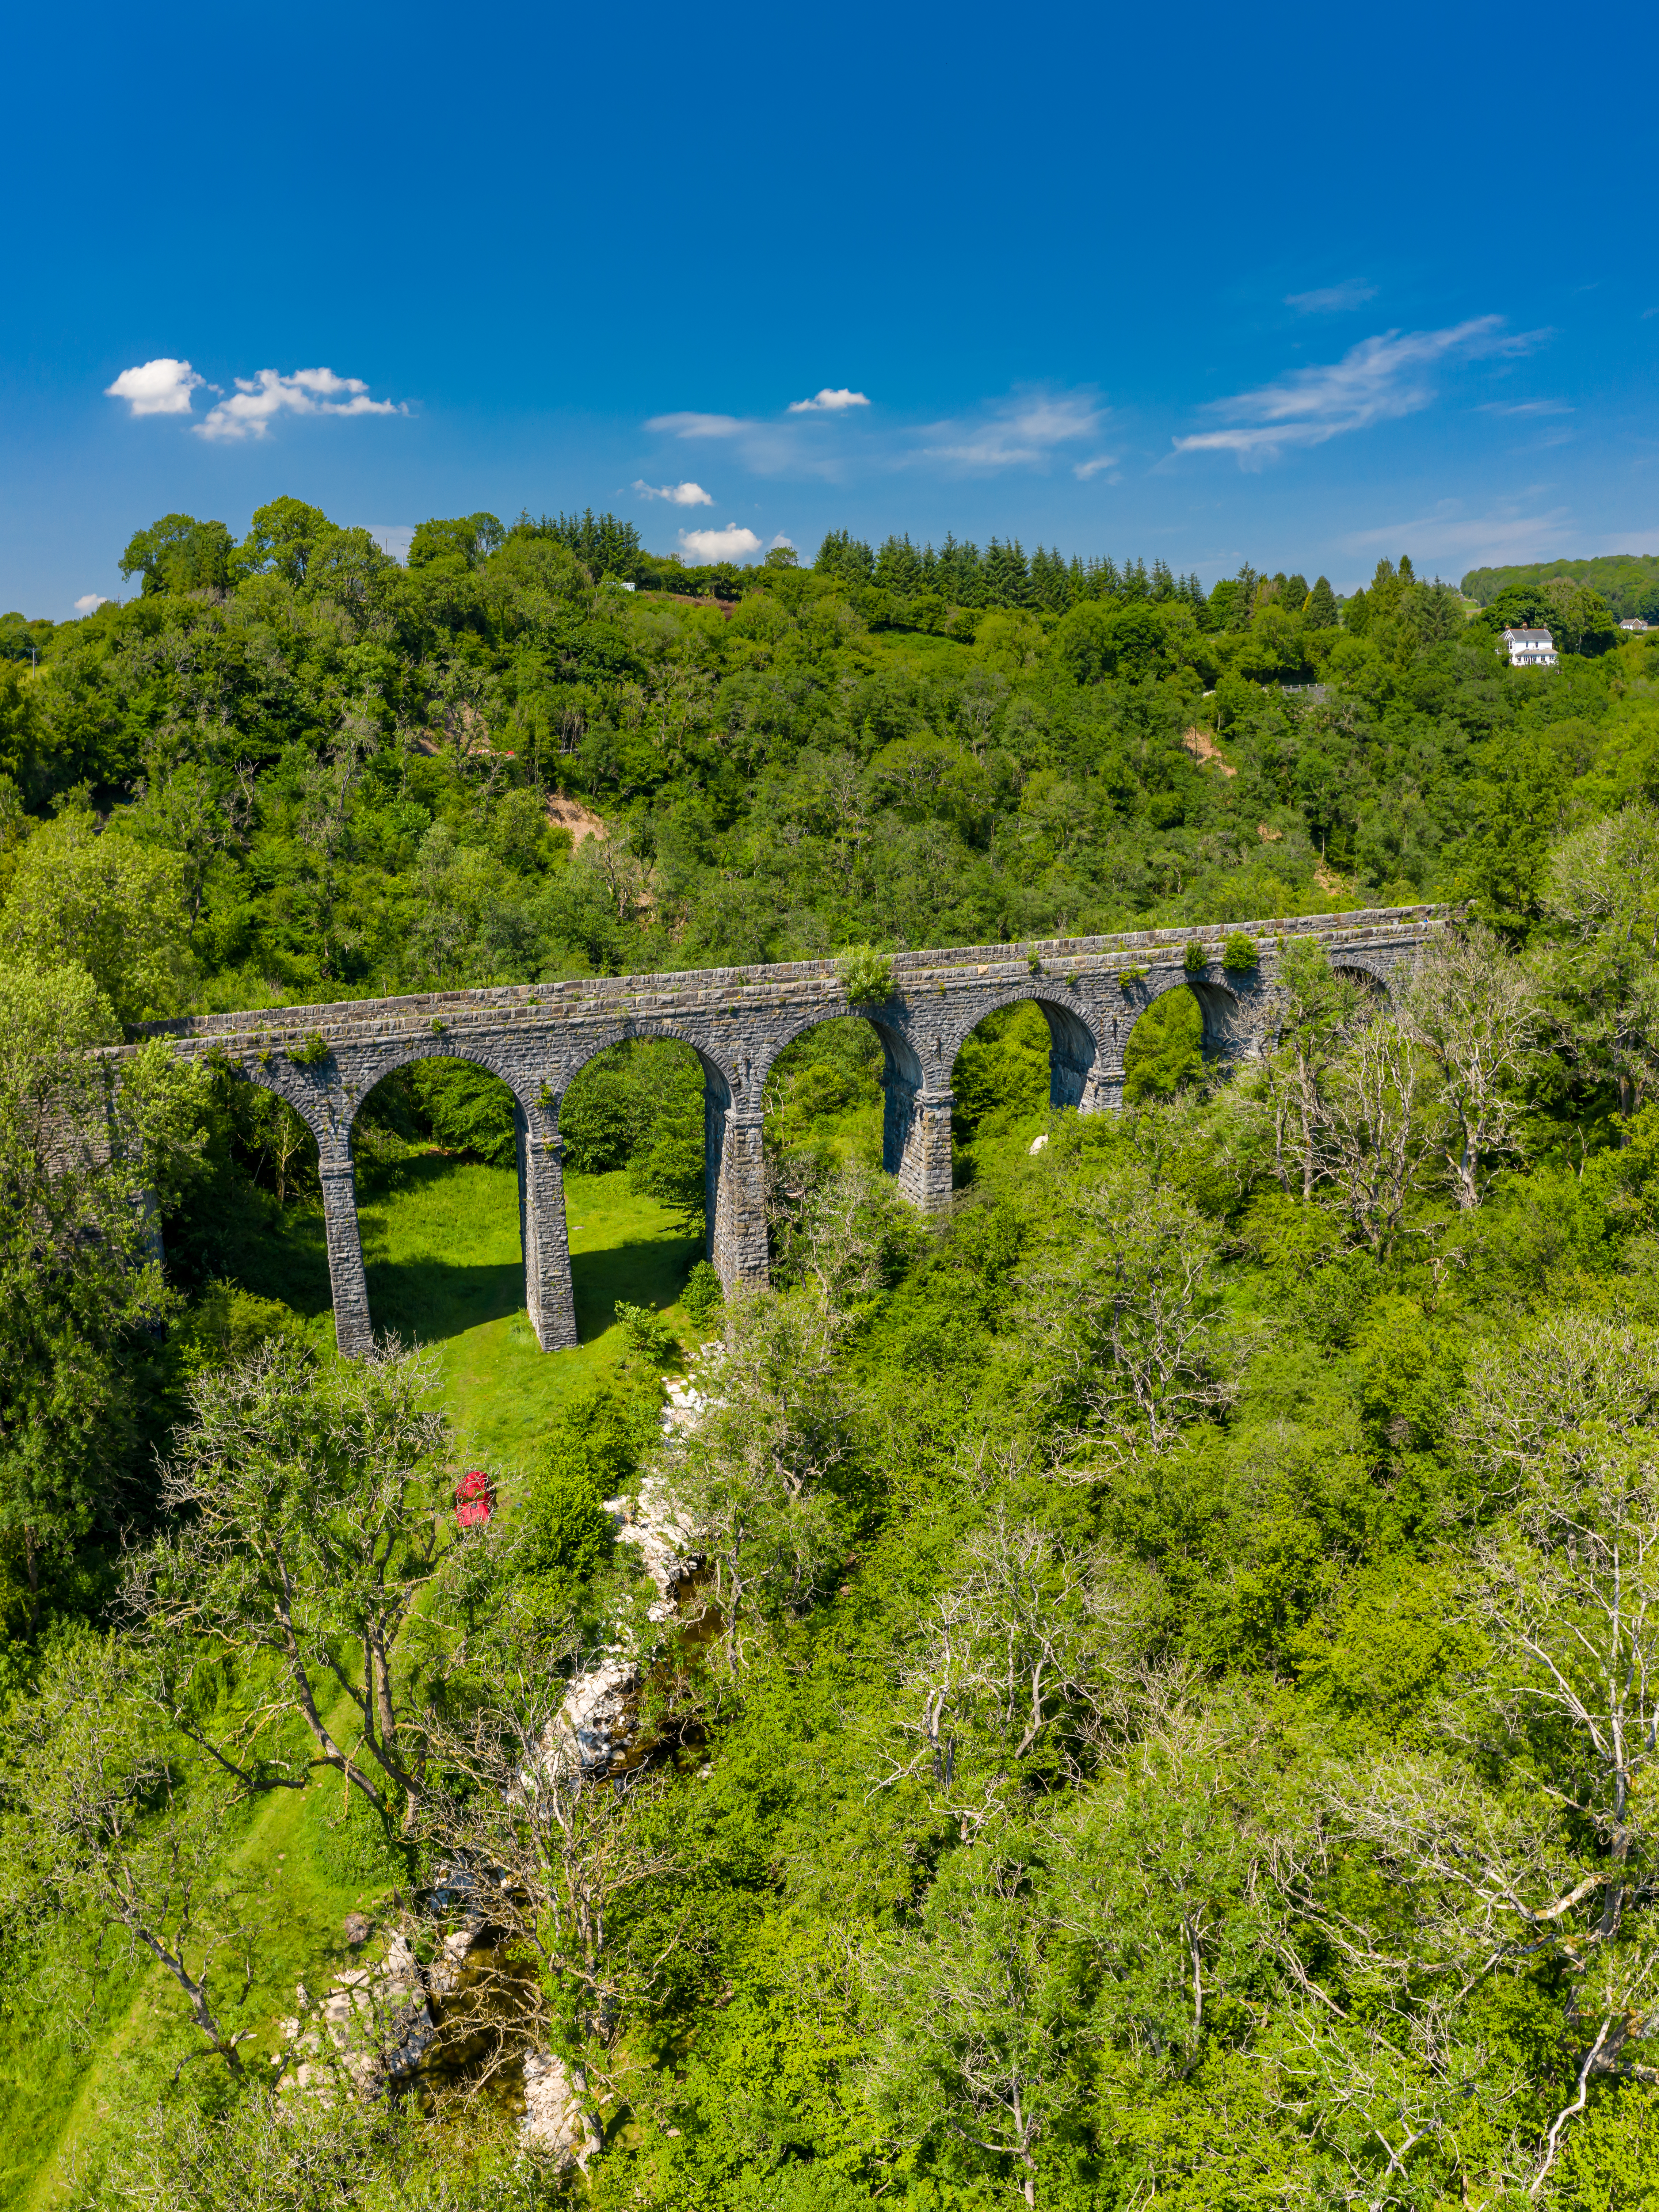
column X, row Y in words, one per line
column 325, row 1060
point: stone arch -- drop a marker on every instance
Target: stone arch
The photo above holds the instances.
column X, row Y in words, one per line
column 372, row 1068
column 1376, row 974
column 729, row 1083
column 1221, row 1009
column 905, row 1077
column 1077, row 1054
column 899, row 1055
column 733, row 1160
column 543, row 1242
column 309, row 1091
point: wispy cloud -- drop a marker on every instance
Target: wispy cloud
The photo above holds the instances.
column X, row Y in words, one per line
column 1083, row 470
column 827, row 403
column 156, row 387
column 734, row 543
column 258, row 399
column 783, row 445
column 1524, row 407
column 685, row 425
column 1333, row 299
column 393, row 537
column 1503, row 534
column 1023, row 431
column 679, row 494
column 1378, row 381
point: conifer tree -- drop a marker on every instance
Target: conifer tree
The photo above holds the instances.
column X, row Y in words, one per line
column 898, row 567
column 1321, row 605
column 1007, row 582
column 845, row 558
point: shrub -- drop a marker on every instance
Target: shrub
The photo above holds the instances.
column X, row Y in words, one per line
column 227, row 1324
column 311, row 1051
column 702, row 1297
column 646, row 1331
column 1194, row 959
column 866, row 975
column 1239, row 954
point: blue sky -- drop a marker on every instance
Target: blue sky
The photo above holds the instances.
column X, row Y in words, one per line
column 1195, row 283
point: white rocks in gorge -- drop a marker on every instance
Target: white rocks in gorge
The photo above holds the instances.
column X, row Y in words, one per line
column 375, row 2023
column 595, row 1721
column 555, row 2118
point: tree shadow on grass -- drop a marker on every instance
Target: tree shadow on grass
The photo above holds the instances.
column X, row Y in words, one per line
column 287, row 1261
column 430, row 1298
column 648, row 1271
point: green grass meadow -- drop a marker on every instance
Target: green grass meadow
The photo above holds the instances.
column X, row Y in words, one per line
column 440, row 1245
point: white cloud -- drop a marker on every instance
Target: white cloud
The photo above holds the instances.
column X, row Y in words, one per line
column 781, row 540
column 89, row 602
column 257, row 400
column 158, row 387
column 393, row 537
column 1022, row 432
column 1476, row 540
column 828, row 402
column 679, row 494
column 1378, row 381
column 732, row 544
column 700, row 426
column 1333, row 299
column 1083, row 470
column 1525, row 407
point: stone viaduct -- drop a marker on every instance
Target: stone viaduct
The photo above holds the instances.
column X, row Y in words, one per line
column 325, row 1060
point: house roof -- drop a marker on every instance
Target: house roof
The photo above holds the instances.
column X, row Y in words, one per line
column 1529, row 636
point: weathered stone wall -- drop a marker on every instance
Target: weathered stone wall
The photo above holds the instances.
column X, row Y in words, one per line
column 536, row 1038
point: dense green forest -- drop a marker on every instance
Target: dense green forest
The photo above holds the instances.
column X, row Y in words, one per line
column 1160, row 1703
column 1629, row 583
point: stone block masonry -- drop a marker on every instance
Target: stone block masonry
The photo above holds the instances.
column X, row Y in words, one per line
column 325, row 1060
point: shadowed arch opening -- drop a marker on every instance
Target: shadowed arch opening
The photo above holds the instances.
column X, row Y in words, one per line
column 638, row 1107
column 825, row 1090
column 1375, row 990
column 435, row 1147
column 274, row 1141
column 1033, row 1031
column 1164, row 1050
column 649, row 1127
column 1188, row 1027
column 1003, row 1074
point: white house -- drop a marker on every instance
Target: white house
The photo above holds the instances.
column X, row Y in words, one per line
column 1632, row 622
column 1531, row 648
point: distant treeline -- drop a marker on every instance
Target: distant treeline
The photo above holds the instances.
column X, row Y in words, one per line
column 1629, row 583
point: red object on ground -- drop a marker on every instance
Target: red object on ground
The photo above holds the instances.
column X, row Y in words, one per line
column 474, row 1500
